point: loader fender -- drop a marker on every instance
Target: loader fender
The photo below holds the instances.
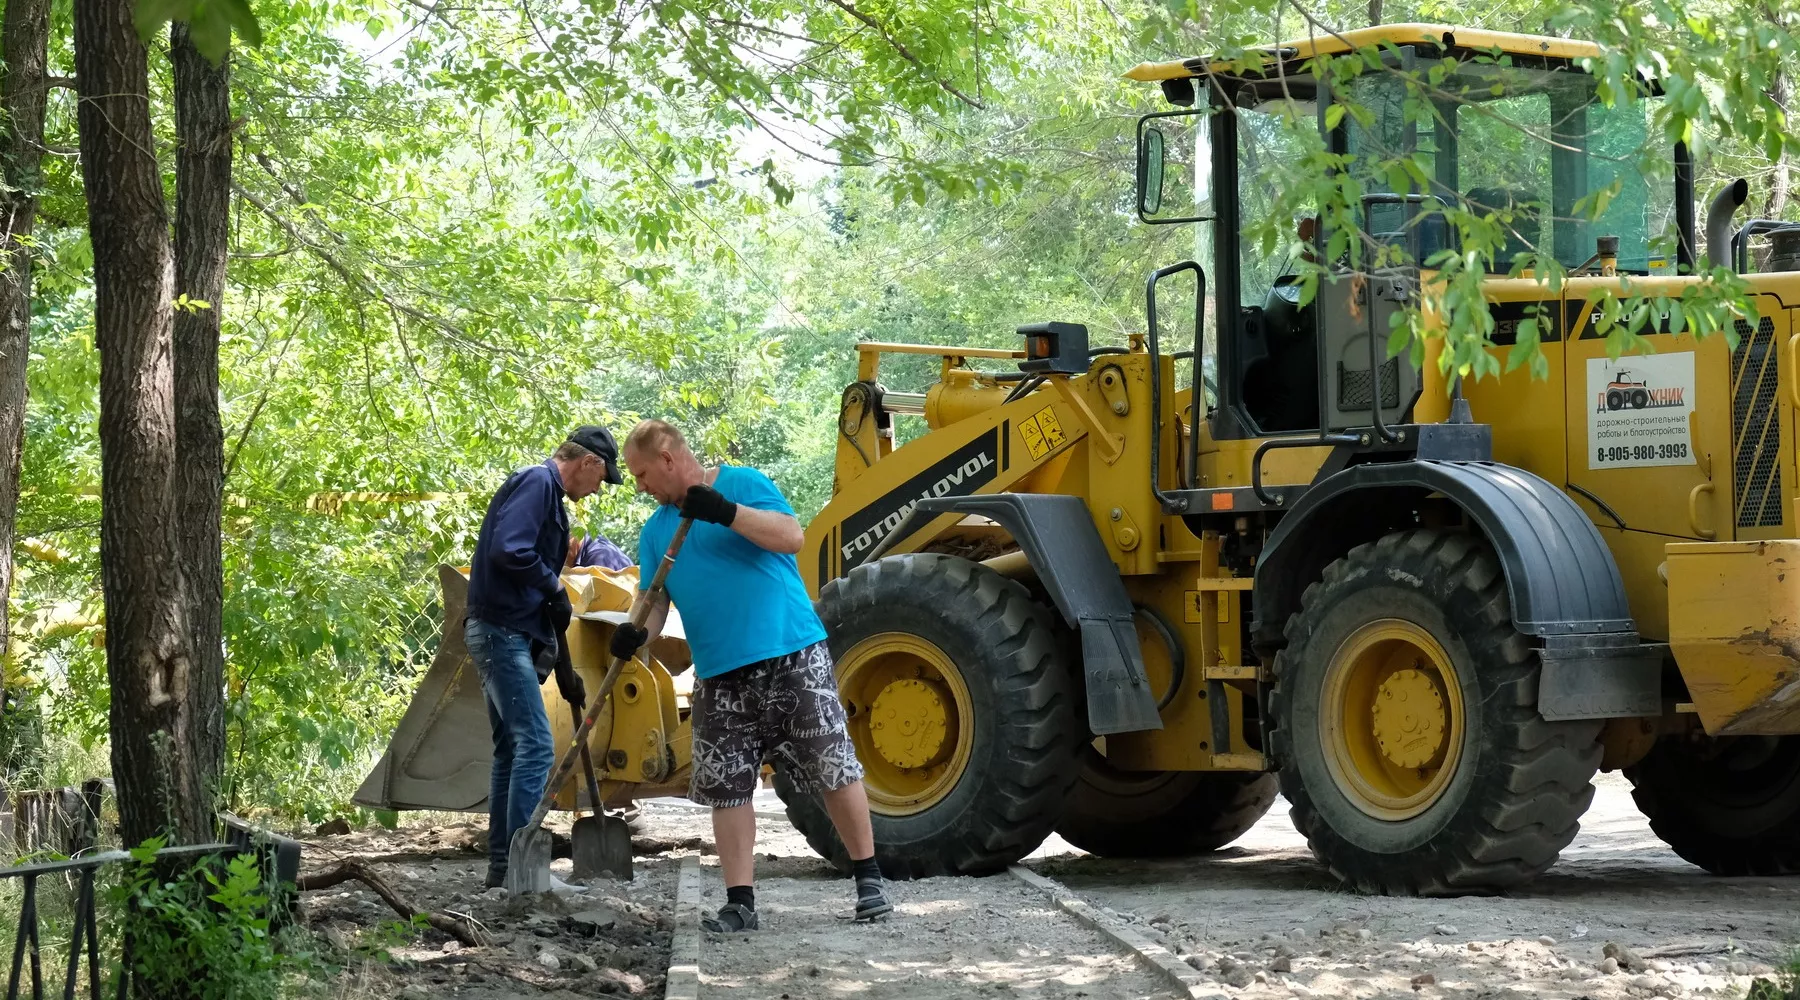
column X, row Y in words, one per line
column 1564, row 587
column 1057, row 535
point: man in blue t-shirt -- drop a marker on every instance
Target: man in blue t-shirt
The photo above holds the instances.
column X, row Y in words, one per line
column 764, row 682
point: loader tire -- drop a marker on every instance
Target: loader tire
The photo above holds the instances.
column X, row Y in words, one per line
column 1406, row 725
column 1730, row 805
column 973, row 653
column 1160, row 814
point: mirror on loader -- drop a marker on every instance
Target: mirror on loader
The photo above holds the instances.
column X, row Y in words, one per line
column 1173, row 168
column 1150, row 174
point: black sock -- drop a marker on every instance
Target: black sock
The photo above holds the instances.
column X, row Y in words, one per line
column 865, row 869
column 743, row 895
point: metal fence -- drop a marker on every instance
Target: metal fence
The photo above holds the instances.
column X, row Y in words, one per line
column 280, row 858
column 85, row 941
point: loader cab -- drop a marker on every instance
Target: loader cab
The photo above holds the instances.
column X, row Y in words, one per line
column 1441, row 127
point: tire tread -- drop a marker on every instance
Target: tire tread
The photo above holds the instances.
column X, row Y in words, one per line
column 1036, row 720
column 1526, row 808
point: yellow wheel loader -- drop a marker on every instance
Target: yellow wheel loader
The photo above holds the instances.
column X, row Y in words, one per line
column 1092, row 601
column 1090, row 597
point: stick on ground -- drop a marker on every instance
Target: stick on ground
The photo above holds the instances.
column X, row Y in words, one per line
column 359, row 870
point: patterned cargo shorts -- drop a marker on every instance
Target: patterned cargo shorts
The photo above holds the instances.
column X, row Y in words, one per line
column 785, row 707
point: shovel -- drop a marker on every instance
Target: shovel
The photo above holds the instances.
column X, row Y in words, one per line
column 528, row 853
column 599, row 844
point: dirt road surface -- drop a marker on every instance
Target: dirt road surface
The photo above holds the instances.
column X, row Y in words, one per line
column 1260, row 919
column 1682, row 932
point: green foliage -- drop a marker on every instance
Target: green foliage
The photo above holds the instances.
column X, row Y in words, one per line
column 1785, row 985
column 459, row 234
column 210, row 22
column 201, row 933
column 377, row 943
column 461, row 231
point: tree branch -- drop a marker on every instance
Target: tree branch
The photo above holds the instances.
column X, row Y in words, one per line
column 267, row 255
column 729, row 22
column 261, row 400
column 296, row 195
column 850, row 8
column 466, row 931
column 358, row 281
column 705, row 70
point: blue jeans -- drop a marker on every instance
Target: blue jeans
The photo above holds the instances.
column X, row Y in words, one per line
column 523, row 752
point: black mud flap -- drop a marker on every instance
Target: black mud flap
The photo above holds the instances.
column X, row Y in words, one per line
column 1604, row 676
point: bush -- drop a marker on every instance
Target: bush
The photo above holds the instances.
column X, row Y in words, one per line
column 201, row 932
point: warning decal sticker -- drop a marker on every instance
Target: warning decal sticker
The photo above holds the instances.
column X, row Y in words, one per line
column 1639, row 410
column 1042, row 432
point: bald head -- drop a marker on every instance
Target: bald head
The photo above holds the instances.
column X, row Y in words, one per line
column 661, row 461
column 656, row 435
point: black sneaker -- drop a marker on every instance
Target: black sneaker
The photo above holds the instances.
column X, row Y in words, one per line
column 733, row 918
column 871, row 902
column 496, row 876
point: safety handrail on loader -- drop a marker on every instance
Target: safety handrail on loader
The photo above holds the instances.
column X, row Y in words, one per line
column 1169, row 503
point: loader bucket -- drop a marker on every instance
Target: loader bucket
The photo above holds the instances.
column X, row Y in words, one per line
column 439, row 755
column 441, row 752
column 1734, row 626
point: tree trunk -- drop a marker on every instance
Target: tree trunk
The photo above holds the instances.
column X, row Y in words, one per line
column 161, row 787
column 1374, row 13
column 202, row 231
column 24, row 41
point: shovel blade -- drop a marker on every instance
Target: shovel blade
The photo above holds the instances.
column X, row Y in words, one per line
column 601, row 847
column 528, row 861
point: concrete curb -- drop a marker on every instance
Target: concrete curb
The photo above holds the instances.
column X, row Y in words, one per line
column 690, row 807
column 1157, row 958
column 683, row 980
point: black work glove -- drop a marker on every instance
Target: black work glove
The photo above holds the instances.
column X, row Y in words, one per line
column 704, row 503
column 626, row 639
column 567, row 680
column 561, row 611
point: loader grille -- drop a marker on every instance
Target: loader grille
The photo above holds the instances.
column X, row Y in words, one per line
column 1356, row 389
column 1755, row 433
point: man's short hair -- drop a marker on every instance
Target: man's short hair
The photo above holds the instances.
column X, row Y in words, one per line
column 569, row 451
column 655, row 436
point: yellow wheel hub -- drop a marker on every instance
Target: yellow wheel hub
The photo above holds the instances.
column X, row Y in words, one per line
column 910, row 718
column 1409, row 719
column 908, row 723
column 1391, row 719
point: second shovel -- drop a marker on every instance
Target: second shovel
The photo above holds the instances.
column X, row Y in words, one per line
column 600, row 844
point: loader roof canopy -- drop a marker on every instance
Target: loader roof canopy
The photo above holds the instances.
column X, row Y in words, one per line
column 1293, row 53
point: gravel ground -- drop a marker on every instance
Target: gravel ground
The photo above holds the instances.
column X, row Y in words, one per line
column 1680, row 931
column 612, row 940
column 1260, row 919
column 948, row 937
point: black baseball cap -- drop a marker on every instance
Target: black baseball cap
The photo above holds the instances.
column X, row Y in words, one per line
column 599, row 440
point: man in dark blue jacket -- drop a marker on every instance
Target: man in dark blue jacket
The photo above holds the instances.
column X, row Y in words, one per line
column 516, row 615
